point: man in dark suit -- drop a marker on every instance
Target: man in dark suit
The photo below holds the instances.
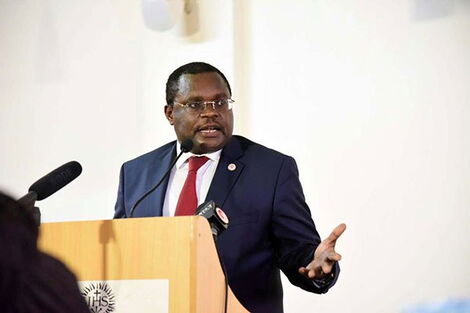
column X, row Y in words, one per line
column 258, row 188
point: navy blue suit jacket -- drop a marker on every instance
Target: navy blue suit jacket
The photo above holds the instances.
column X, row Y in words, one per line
column 270, row 224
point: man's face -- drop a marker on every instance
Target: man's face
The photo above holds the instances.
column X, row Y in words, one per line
column 209, row 130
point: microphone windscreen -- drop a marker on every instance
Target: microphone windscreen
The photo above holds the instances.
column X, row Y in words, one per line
column 186, row 145
column 56, row 179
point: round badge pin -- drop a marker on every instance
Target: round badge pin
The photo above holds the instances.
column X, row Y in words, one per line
column 221, row 215
column 231, row 167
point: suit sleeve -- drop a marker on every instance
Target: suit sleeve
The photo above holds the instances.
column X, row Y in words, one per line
column 295, row 235
column 120, row 208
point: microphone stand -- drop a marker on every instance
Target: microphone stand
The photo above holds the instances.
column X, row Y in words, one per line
column 36, row 215
column 186, row 146
column 28, row 202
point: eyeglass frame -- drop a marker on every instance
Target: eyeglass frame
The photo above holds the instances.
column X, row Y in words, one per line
column 205, row 103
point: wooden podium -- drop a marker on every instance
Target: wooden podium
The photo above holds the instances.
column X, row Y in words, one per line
column 179, row 249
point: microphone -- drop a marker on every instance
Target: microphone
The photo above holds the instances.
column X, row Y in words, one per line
column 52, row 182
column 186, row 146
column 49, row 184
column 218, row 221
column 56, row 180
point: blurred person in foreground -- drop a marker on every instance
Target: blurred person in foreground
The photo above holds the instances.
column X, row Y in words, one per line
column 31, row 281
column 271, row 227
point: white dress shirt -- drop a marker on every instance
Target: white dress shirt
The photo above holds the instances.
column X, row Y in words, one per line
column 178, row 176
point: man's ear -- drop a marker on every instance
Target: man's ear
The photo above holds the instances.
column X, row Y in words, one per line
column 169, row 113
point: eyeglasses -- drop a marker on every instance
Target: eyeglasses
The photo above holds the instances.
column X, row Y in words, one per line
column 222, row 105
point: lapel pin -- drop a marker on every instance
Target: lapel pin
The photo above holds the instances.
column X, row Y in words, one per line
column 231, row 167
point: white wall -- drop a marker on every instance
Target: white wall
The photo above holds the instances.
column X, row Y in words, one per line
column 86, row 80
column 370, row 97
column 373, row 100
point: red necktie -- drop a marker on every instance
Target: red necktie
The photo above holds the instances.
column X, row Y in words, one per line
column 187, row 202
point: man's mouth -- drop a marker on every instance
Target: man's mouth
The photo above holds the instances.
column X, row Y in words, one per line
column 209, row 130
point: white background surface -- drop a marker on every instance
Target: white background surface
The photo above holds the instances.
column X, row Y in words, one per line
column 372, row 98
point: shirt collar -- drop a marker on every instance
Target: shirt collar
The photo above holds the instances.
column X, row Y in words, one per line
column 213, row 156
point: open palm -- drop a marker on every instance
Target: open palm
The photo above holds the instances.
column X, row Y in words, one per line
column 324, row 257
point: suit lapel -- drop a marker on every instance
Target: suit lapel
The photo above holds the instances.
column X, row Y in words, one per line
column 227, row 173
column 154, row 203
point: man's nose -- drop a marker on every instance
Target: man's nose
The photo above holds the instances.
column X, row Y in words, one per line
column 209, row 110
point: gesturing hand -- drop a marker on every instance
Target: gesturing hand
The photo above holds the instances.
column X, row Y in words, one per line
column 325, row 256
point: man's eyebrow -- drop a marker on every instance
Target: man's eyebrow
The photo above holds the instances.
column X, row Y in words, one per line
column 221, row 95
column 196, row 98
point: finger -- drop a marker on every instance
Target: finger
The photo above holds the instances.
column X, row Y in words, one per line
column 333, row 256
column 326, row 268
column 314, row 273
column 306, row 272
column 337, row 232
column 310, row 273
